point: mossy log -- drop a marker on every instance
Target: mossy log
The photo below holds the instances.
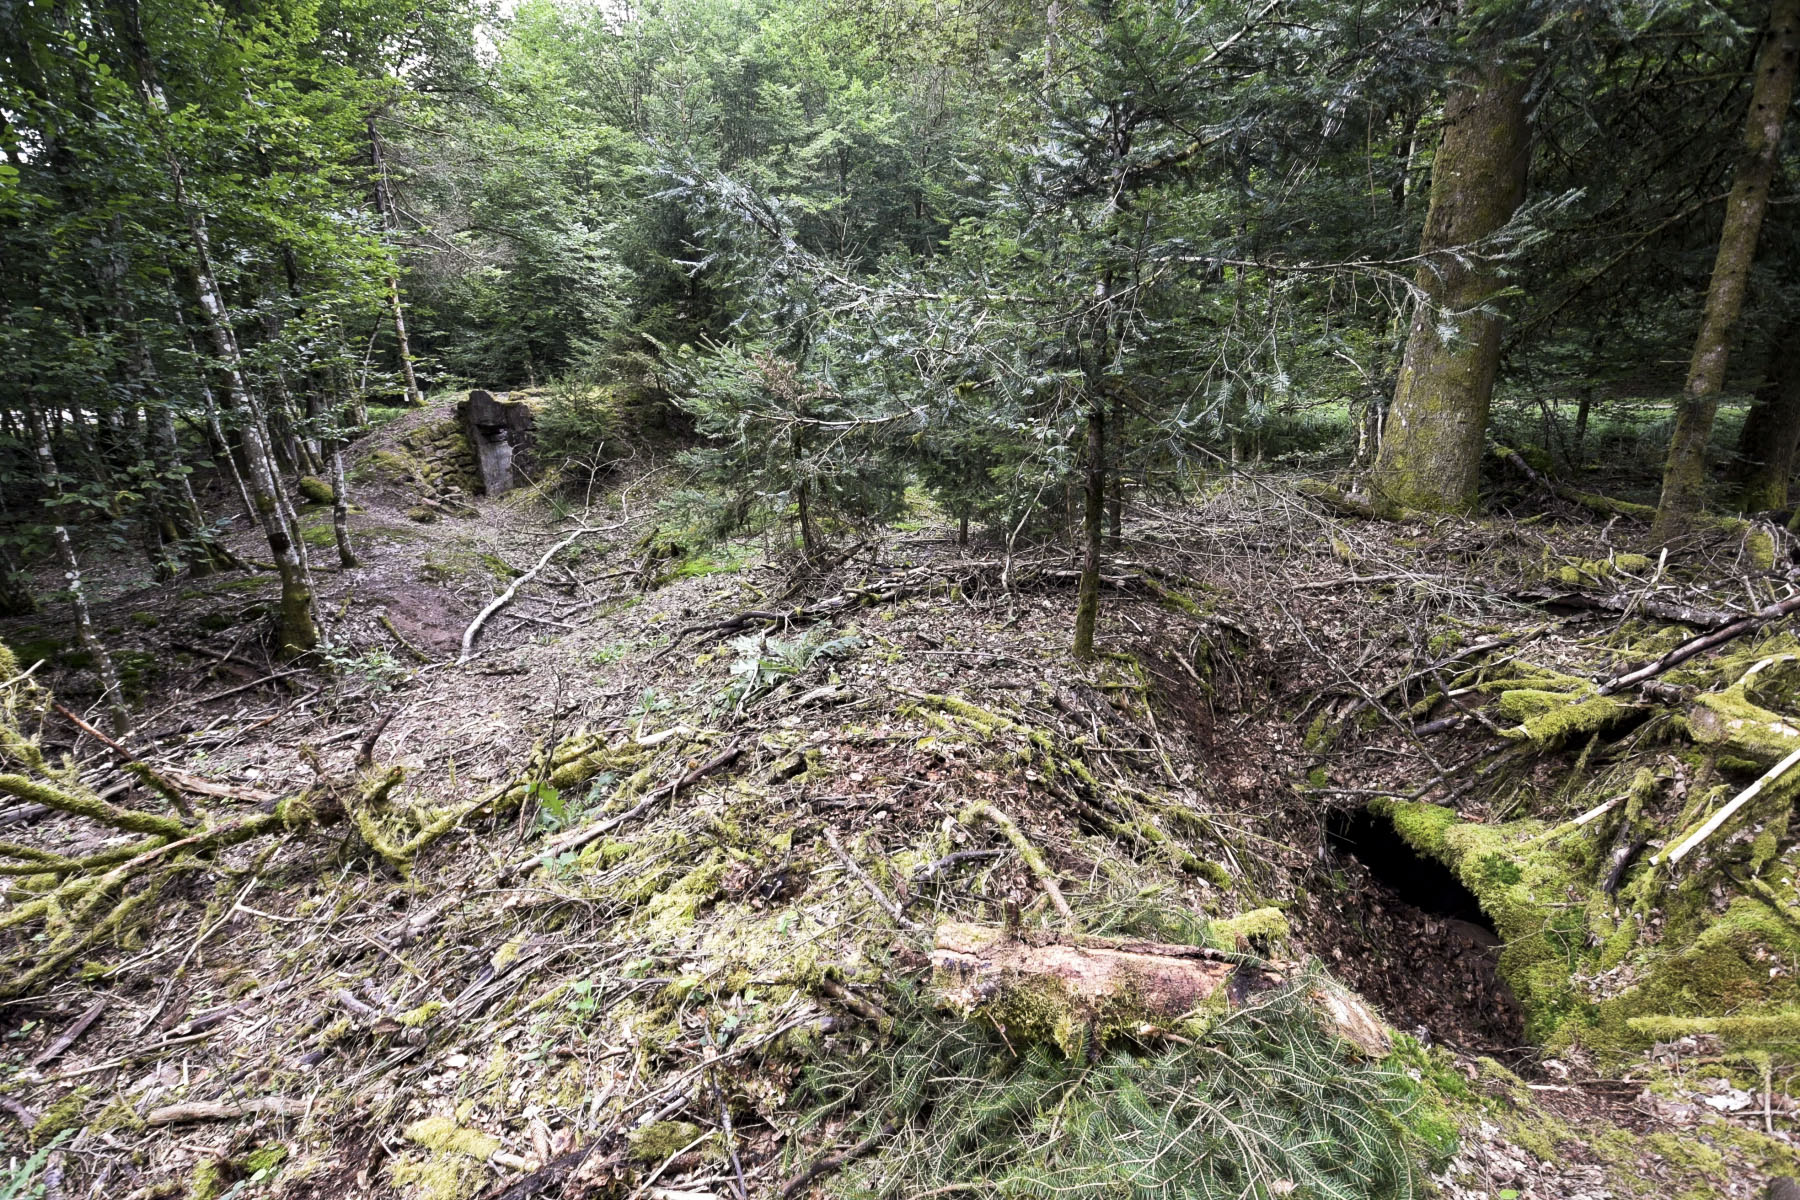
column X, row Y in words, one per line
column 1080, row 991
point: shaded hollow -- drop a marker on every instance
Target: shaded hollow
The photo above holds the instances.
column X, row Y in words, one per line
column 1403, row 930
column 1424, row 883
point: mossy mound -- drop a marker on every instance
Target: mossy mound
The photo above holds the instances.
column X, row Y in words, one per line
column 1612, row 972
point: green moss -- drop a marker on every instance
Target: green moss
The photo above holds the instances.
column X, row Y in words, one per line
column 265, row 1158
column 444, row 1135
column 414, row 1017
column 145, row 620
column 652, row 1144
column 453, row 1166
column 66, row 1113
column 210, row 1179
column 1731, row 719
column 1267, row 924
column 1783, row 1026
column 314, row 490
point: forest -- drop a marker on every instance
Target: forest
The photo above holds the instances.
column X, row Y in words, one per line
column 896, row 599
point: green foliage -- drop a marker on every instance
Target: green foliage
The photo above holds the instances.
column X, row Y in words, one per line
column 1263, row 1106
column 764, row 663
column 21, row 1180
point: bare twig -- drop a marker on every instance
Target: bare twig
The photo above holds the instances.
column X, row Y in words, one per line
column 504, row 598
column 869, row 885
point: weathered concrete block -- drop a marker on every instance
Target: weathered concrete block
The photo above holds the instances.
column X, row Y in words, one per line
column 500, row 434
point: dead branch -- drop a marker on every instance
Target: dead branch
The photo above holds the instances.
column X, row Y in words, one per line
column 582, row 837
column 504, row 598
column 215, row 1110
column 365, row 750
column 832, row 1164
column 869, row 885
column 133, row 763
column 72, row 1034
column 1771, row 776
column 1706, row 641
column 1034, row 858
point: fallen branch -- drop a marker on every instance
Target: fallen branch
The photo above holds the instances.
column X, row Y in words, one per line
column 504, row 598
column 133, row 763
column 1034, row 858
column 1771, row 776
column 1706, row 641
column 833, row 1163
column 72, row 1034
column 215, row 1110
column 869, row 885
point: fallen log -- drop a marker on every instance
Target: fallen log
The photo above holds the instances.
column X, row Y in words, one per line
column 1081, row 991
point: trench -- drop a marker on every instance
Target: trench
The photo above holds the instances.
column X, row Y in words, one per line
column 1405, row 932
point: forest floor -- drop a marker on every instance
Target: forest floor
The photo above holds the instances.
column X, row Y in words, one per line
column 647, row 1014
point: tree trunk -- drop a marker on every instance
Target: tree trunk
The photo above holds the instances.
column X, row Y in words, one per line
column 384, row 205
column 1431, row 450
column 118, row 719
column 1684, row 475
column 1772, row 427
column 340, row 504
column 297, row 629
column 1087, row 600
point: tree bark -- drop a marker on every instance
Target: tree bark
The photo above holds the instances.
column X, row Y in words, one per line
column 1070, row 989
column 1684, row 474
column 1431, row 450
column 340, row 505
column 118, row 719
column 1087, row 600
column 1772, row 427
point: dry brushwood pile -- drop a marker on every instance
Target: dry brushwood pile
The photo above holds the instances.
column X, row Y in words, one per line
column 1367, row 859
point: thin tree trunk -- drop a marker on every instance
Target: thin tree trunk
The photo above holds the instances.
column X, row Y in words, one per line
column 297, row 629
column 1684, row 475
column 118, row 718
column 340, row 506
column 1431, row 449
column 1087, row 598
column 1772, row 427
column 384, row 205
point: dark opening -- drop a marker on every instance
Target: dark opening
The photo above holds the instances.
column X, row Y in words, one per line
column 1424, row 883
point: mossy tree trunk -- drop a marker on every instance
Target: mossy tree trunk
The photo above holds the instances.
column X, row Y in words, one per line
column 1772, row 427
column 1430, row 456
column 1684, row 474
column 1087, row 602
